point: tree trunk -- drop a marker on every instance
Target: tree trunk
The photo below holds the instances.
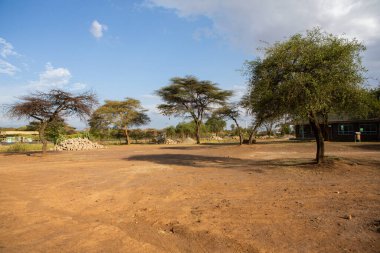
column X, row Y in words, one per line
column 240, row 136
column 326, row 126
column 320, row 156
column 127, row 141
column 269, row 128
column 253, row 133
column 41, row 133
column 198, row 132
column 239, row 131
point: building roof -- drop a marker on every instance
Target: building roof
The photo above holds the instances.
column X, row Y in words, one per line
column 5, row 133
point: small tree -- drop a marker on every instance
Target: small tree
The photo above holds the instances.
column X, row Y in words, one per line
column 137, row 134
column 192, row 98
column 215, row 124
column 57, row 130
column 307, row 76
column 47, row 107
column 372, row 103
column 170, row 131
column 232, row 111
column 185, row 129
column 121, row 115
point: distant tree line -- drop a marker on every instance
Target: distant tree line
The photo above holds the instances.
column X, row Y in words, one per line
column 305, row 78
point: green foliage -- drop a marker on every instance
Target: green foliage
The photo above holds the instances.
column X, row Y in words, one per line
column 307, row 76
column 215, row 124
column 22, row 147
column 190, row 97
column 119, row 115
column 82, row 134
column 231, row 111
column 33, row 126
column 185, row 129
column 170, row 131
column 285, row 129
column 137, row 134
column 145, row 135
column 17, row 147
column 372, row 98
column 316, row 73
column 56, row 130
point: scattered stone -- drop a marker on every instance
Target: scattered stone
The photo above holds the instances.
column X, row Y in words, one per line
column 76, row 144
column 348, row 217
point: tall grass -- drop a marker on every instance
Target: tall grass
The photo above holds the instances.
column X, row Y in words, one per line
column 22, row 147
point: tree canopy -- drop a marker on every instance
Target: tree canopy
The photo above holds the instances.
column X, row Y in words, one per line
column 119, row 114
column 307, row 76
column 231, row 111
column 190, row 97
column 215, row 124
column 52, row 106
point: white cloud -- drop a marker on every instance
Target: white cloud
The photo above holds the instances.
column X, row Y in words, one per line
column 58, row 78
column 97, row 29
column 7, row 68
column 52, row 78
column 245, row 23
column 6, row 48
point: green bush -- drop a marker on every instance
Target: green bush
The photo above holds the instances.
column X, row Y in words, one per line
column 85, row 134
column 18, row 147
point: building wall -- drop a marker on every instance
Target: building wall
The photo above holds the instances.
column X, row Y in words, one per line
column 344, row 131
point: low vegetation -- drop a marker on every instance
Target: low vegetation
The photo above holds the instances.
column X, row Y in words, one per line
column 23, row 147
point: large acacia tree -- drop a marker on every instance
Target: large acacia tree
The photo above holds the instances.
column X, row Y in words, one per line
column 119, row 114
column 49, row 107
column 192, row 98
column 308, row 76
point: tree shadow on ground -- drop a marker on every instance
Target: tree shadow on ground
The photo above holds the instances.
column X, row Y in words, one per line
column 372, row 146
column 193, row 147
column 30, row 153
column 200, row 161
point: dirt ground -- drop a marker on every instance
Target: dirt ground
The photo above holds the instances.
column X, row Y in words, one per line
column 266, row 197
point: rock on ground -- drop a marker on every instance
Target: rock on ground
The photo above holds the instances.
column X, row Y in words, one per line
column 76, row 144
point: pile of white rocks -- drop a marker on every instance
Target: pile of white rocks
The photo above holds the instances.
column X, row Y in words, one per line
column 76, row 144
column 170, row 141
column 215, row 138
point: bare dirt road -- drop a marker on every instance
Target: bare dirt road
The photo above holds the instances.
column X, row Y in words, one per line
column 207, row 198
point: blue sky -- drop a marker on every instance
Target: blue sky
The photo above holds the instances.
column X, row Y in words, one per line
column 131, row 48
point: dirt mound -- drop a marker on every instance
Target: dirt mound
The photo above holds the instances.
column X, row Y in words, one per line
column 189, row 140
column 76, row 144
